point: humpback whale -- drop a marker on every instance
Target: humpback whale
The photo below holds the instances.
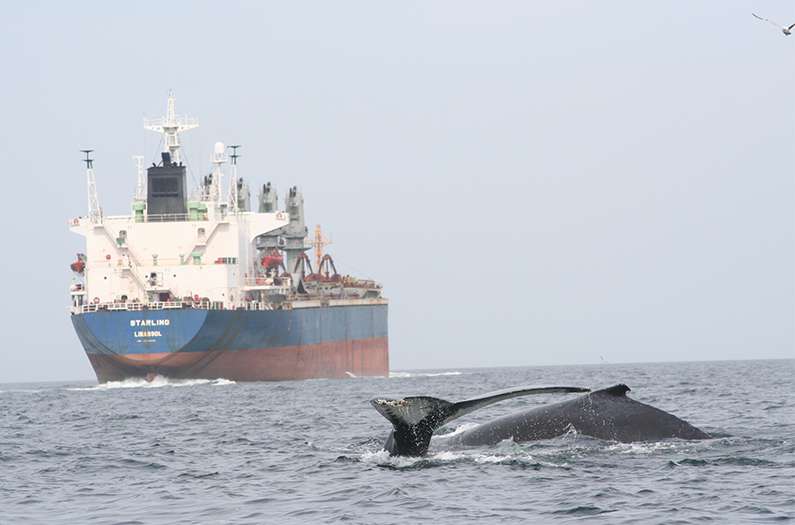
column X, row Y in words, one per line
column 605, row 414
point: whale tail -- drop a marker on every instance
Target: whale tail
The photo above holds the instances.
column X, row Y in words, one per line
column 416, row 418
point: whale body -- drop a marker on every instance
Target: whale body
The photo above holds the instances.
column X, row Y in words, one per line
column 605, row 414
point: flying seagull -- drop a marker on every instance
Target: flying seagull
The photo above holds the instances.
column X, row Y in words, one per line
column 786, row 30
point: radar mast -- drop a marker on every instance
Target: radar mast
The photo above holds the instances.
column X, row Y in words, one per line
column 170, row 126
column 234, row 195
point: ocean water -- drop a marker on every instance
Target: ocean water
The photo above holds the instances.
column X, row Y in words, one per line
column 310, row 452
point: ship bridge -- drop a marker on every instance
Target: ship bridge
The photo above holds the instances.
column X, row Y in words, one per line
column 173, row 246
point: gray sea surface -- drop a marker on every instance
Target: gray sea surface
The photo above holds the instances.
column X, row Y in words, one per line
column 310, row 452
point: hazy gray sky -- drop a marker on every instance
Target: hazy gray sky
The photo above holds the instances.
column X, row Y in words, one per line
column 533, row 182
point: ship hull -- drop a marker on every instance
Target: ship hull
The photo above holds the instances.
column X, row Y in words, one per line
column 315, row 342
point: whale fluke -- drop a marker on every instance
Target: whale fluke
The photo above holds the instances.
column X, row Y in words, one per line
column 416, row 418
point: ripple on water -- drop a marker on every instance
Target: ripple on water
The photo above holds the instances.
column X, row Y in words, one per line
column 297, row 452
column 582, row 510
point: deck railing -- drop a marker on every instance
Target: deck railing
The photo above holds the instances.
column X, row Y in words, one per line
column 159, row 217
column 173, row 305
column 160, row 305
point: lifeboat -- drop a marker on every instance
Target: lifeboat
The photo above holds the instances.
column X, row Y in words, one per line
column 272, row 260
column 79, row 266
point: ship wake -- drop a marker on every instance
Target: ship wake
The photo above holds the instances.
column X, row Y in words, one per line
column 156, row 382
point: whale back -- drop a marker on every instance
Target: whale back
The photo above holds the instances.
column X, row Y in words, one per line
column 605, row 414
column 414, row 419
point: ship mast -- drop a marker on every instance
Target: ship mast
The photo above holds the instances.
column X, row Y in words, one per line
column 170, row 126
column 218, row 159
column 94, row 211
column 234, row 197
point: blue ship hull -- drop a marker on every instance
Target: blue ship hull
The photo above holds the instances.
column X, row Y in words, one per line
column 243, row 345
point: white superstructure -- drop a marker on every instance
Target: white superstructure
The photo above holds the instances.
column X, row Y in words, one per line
column 213, row 258
column 203, row 250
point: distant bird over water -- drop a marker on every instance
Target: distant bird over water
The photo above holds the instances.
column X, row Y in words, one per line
column 786, row 30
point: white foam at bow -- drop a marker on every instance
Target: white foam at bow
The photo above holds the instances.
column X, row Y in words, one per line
column 156, row 382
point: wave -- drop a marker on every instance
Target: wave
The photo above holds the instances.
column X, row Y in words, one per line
column 740, row 461
column 423, row 374
column 156, row 382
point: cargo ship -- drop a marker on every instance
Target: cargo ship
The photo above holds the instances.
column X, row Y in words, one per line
column 195, row 284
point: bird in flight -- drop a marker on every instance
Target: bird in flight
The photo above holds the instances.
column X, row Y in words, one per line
column 786, row 30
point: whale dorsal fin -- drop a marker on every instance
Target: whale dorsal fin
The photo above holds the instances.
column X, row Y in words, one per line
column 416, row 418
column 619, row 390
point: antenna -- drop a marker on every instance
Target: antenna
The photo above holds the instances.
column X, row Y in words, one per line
column 94, row 211
column 234, row 154
column 233, row 194
column 88, row 160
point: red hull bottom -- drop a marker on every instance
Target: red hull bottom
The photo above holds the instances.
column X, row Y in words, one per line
column 339, row 359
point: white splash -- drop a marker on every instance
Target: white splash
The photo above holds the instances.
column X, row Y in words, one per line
column 642, row 448
column 493, row 459
column 156, row 382
column 382, row 458
column 447, row 455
